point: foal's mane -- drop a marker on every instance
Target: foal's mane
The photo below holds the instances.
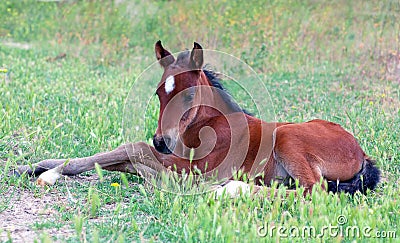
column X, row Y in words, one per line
column 215, row 81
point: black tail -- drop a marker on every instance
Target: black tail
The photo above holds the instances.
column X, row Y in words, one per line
column 367, row 178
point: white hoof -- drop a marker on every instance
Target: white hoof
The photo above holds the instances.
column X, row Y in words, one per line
column 49, row 177
column 233, row 189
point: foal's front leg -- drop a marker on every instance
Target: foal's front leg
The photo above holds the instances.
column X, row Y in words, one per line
column 133, row 157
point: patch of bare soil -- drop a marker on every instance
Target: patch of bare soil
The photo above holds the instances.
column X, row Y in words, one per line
column 30, row 214
column 25, row 210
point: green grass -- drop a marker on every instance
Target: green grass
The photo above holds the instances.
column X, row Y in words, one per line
column 330, row 60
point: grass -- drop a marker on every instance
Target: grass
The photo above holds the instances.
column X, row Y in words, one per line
column 330, row 60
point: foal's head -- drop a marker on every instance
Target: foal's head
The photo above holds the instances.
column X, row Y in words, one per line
column 188, row 95
column 178, row 94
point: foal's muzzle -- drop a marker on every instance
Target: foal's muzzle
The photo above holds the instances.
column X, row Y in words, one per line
column 161, row 144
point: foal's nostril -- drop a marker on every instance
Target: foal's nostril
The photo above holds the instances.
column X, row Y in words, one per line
column 161, row 144
column 167, row 140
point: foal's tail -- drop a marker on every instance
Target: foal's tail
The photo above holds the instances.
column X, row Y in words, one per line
column 367, row 178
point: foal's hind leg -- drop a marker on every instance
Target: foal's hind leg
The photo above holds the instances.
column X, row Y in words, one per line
column 300, row 165
column 299, row 169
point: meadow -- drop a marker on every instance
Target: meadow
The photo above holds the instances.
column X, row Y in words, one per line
column 66, row 68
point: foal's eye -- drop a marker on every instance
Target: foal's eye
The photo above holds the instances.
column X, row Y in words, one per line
column 189, row 96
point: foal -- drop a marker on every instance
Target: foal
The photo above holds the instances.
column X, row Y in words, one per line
column 201, row 129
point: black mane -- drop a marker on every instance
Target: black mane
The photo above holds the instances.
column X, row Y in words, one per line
column 216, row 82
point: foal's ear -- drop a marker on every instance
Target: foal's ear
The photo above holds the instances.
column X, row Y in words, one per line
column 164, row 57
column 196, row 57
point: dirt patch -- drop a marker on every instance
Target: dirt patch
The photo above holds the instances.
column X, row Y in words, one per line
column 28, row 214
column 25, row 213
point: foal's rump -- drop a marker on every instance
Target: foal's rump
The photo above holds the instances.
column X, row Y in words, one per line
column 318, row 148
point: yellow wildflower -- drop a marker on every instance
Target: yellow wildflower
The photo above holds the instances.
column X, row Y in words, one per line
column 115, row 184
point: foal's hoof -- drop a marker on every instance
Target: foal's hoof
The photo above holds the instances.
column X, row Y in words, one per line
column 49, row 177
column 233, row 189
column 15, row 173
